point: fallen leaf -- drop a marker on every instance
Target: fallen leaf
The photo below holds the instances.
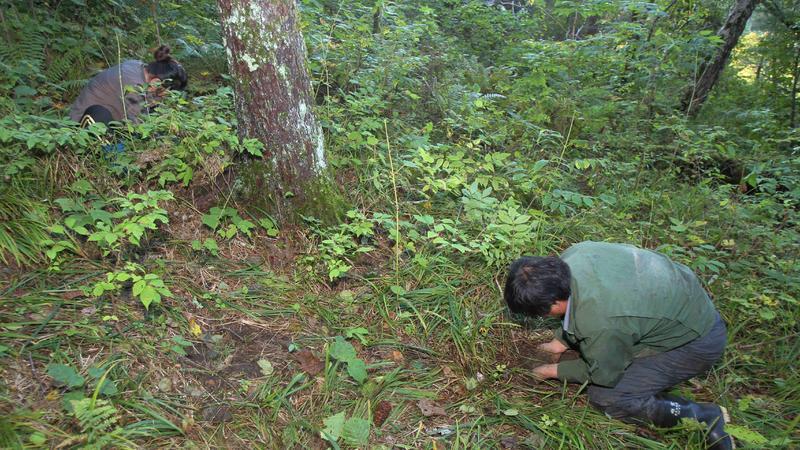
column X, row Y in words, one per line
column 467, row 409
column 509, row 442
column 309, row 363
column 194, row 328
column 69, row 295
column 381, row 413
column 217, row 414
column 266, row 367
column 430, row 408
column 397, row 356
column 165, row 385
column 448, row 372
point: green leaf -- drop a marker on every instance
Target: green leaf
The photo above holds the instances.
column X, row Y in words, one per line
column 245, row 226
column 108, row 388
column 211, row 220
column 95, row 372
column 358, row 333
column 69, row 397
column 357, row 369
column 181, row 341
column 397, row 290
column 38, row 439
column 178, row 349
column 266, row 367
column 81, row 187
column 149, row 295
column 342, row 350
column 138, row 287
column 101, row 215
column 102, row 287
column 68, row 205
column 123, row 276
column 467, row 409
column 211, row 246
column 767, row 314
column 333, row 426
column 745, row 434
column 65, row 375
column 356, row 431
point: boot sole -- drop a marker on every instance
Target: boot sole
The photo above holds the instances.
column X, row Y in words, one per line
column 726, row 417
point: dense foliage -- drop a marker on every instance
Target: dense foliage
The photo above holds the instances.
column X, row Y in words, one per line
column 143, row 306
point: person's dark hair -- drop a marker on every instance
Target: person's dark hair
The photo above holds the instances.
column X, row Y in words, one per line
column 167, row 69
column 535, row 283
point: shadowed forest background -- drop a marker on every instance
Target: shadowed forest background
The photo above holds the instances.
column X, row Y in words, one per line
column 172, row 295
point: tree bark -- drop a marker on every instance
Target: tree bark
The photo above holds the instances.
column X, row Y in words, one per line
column 266, row 56
column 710, row 70
column 795, row 75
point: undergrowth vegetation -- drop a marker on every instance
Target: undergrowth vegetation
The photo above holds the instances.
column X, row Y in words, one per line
column 142, row 306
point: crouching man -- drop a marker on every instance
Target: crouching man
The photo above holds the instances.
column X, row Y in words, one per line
column 641, row 323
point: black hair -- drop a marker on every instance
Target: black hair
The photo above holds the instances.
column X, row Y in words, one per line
column 167, row 69
column 535, row 283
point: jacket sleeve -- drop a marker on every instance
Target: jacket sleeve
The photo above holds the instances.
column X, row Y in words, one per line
column 134, row 104
column 558, row 334
column 604, row 357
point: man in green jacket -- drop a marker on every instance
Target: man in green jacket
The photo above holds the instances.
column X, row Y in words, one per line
column 641, row 323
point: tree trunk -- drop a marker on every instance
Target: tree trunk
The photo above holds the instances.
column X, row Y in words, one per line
column 710, row 70
column 795, row 75
column 266, row 56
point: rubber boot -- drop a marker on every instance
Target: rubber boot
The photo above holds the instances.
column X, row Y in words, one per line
column 667, row 413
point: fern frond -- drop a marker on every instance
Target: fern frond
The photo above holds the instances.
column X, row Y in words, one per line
column 59, row 67
column 28, row 45
column 94, row 417
column 99, row 423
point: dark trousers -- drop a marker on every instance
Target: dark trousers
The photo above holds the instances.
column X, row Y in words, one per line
column 634, row 397
column 96, row 114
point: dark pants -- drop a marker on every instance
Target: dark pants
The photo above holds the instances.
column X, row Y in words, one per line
column 634, row 397
column 96, row 114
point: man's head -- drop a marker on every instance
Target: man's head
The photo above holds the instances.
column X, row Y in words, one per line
column 535, row 284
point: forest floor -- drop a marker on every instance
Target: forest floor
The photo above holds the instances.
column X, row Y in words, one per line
column 141, row 306
column 244, row 355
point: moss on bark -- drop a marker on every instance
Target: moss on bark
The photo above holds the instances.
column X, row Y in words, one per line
column 318, row 197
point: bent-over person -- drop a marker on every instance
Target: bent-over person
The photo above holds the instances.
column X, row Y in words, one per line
column 641, row 323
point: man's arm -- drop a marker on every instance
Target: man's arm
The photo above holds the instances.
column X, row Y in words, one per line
column 604, row 357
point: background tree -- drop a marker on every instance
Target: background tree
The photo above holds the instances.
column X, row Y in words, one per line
column 710, row 71
column 780, row 49
column 266, row 55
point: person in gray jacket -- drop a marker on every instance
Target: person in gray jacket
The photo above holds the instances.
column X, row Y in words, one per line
column 115, row 94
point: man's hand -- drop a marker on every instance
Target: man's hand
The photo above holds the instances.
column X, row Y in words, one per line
column 546, row 371
column 555, row 347
column 551, row 351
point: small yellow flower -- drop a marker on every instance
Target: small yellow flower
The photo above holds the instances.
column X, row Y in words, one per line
column 194, row 328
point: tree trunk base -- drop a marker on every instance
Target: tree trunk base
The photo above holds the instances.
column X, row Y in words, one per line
column 318, row 197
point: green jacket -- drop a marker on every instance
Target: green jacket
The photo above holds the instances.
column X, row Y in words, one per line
column 626, row 303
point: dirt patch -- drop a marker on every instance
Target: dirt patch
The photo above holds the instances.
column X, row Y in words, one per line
column 521, row 352
column 231, row 353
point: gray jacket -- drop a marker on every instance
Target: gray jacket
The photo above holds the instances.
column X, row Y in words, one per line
column 112, row 88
